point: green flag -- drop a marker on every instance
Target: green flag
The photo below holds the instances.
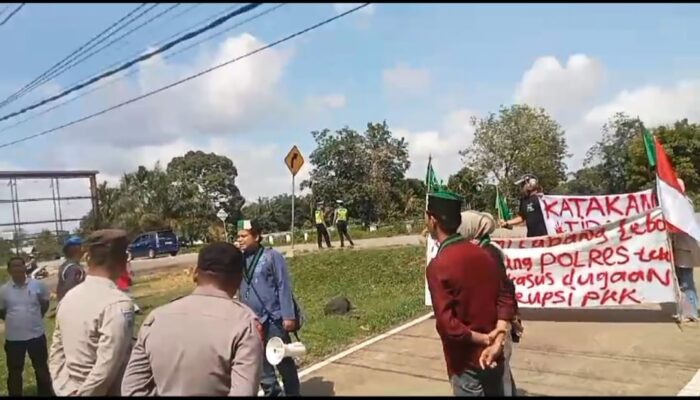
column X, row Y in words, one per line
column 649, row 147
column 502, row 207
column 431, row 181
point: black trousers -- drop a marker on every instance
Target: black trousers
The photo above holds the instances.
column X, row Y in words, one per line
column 38, row 354
column 343, row 233
column 322, row 231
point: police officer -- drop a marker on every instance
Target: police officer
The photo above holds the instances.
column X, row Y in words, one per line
column 94, row 324
column 340, row 219
column 267, row 290
column 70, row 273
column 320, row 219
column 204, row 344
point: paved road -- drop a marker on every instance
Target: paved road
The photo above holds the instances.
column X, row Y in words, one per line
column 604, row 353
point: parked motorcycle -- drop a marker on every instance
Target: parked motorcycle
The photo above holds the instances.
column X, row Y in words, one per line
column 34, row 271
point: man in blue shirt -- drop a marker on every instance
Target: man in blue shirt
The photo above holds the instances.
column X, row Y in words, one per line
column 23, row 304
column 267, row 290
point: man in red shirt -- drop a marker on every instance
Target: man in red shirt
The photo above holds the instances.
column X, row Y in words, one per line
column 124, row 283
column 468, row 300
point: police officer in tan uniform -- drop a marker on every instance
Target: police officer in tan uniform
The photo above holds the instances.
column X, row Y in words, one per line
column 94, row 324
column 205, row 344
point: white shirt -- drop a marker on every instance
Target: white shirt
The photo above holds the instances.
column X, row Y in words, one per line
column 23, row 320
column 92, row 339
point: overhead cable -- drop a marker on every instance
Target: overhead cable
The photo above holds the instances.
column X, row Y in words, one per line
column 144, row 57
column 184, row 80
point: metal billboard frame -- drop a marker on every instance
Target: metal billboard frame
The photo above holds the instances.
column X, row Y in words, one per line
column 55, row 177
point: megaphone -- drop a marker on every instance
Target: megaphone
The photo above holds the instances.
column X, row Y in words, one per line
column 276, row 350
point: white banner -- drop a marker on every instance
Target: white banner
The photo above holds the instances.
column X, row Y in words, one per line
column 431, row 251
column 576, row 213
column 626, row 262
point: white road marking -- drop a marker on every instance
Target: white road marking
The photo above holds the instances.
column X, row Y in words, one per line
column 692, row 389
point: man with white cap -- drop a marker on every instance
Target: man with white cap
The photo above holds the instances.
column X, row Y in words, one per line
column 321, row 230
column 340, row 219
column 529, row 211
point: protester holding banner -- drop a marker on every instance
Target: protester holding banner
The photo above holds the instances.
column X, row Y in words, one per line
column 686, row 256
column 478, row 227
column 464, row 284
column 529, row 211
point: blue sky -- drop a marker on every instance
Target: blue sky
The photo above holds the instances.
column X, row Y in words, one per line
column 425, row 68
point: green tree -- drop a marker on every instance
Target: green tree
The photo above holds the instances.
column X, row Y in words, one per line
column 412, row 198
column 681, row 141
column 275, row 214
column 203, row 183
column 610, row 160
column 472, row 186
column 46, row 246
column 519, row 140
column 365, row 170
column 584, row 182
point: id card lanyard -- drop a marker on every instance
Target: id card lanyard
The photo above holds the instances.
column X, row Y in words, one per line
column 250, row 270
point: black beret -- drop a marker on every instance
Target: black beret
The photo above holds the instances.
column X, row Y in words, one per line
column 445, row 204
column 220, row 257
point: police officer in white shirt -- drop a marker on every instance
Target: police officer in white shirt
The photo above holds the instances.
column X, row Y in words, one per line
column 23, row 304
column 94, row 324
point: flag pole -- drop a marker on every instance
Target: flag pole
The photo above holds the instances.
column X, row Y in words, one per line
column 427, row 179
column 676, row 285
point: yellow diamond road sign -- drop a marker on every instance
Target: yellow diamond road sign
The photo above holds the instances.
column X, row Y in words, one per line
column 294, row 160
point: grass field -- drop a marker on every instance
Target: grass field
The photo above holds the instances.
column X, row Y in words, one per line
column 385, row 287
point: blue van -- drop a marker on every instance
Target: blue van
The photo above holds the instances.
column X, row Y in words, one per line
column 152, row 244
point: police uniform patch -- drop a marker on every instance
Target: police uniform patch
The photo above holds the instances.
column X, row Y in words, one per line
column 129, row 317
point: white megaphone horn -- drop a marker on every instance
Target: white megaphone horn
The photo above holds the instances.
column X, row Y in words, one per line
column 276, row 350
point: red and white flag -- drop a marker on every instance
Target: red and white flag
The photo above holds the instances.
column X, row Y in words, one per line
column 677, row 208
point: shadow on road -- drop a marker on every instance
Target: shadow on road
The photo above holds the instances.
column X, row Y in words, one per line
column 317, row 386
column 598, row 315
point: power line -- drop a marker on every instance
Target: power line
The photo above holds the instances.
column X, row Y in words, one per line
column 163, row 48
column 181, row 81
column 133, row 71
column 70, row 63
column 132, row 30
column 68, row 57
column 15, row 11
column 2, row 11
column 160, row 42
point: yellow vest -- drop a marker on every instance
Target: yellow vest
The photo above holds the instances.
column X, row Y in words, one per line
column 319, row 217
column 342, row 214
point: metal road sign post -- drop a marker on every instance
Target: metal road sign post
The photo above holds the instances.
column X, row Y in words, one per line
column 294, row 161
column 222, row 215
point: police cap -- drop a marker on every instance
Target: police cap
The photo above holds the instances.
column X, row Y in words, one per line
column 220, row 257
